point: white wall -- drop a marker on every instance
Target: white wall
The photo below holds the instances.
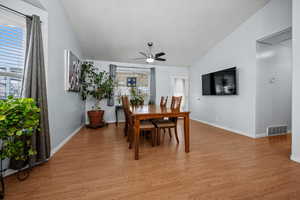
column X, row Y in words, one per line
column 164, row 85
column 296, row 82
column 237, row 113
column 274, row 86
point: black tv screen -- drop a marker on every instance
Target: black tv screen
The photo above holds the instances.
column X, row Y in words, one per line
column 220, row 83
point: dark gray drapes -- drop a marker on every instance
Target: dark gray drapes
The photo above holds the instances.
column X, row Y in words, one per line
column 113, row 74
column 153, row 86
column 34, row 86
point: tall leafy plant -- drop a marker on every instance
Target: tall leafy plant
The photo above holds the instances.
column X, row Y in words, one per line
column 96, row 84
column 19, row 120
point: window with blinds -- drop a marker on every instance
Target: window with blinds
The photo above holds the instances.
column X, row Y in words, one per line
column 12, row 53
column 133, row 77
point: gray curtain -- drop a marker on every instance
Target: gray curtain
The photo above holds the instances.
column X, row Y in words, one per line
column 113, row 74
column 153, row 86
column 34, row 86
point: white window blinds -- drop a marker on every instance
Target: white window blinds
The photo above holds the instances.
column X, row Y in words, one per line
column 128, row 77
column 12, row 52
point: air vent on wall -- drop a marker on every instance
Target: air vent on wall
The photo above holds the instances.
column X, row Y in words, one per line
column 277, row 130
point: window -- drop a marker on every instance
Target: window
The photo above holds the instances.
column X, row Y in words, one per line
column 138, row 77
column 12, row 53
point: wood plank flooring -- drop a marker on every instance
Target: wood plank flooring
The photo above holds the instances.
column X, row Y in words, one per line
column 96, row 165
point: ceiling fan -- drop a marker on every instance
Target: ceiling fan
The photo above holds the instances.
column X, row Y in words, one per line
column 150, row 57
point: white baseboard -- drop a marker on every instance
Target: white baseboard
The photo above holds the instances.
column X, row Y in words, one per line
column 113, row 121
column 295, row 158
column 222, row 127
column 9, row 172
column 56, row 149
column 12, row 171
column 53, row 151
column 261, row 135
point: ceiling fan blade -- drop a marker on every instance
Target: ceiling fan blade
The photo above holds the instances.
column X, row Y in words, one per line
column 160, row 59
column 144, row 54
column 138, row 58
column 159, row 54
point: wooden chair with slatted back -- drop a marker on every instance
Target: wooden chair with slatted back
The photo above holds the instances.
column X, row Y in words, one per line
column 163, row 101
column 171, row 122
column 125, row 105
column 163, row 104
column 144, row 126
column 176, row 103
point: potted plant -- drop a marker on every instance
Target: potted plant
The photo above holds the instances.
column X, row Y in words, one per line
column 98, row 85
column 136, row 97
column 19, row 120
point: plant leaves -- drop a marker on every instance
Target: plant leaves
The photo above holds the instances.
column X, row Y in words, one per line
column 2, row 117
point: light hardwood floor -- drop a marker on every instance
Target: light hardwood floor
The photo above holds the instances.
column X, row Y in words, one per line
column 97, row 165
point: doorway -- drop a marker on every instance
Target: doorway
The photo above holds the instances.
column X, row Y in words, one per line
column 181, row 88
column 274, row 84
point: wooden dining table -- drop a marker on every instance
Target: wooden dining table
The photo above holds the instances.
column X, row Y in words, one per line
column 147, row 112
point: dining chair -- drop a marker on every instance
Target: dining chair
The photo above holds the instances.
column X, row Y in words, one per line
column 163, row 104
column 171, row 122
column 144, row 126
column 163, row 101
column 125, row 104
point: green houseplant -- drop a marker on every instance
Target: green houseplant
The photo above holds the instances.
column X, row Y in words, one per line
column 98, row 85
column 19, row 120
column 136, row 98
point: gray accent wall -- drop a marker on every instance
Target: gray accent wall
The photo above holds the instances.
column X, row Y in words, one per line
column 66, row 110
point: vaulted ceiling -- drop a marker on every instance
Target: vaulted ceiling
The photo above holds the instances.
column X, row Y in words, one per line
column 116, row 30
column 35, row 3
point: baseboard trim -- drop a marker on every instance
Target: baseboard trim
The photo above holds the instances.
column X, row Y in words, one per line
column 222, row 127
column 53, row 151
column 9, row 172
column 56, row 149
column 113, row 121
column 295, row 158
column 12, row 171
column 261, row 135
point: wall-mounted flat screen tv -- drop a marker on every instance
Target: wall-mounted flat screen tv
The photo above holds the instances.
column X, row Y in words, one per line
column 220, row 83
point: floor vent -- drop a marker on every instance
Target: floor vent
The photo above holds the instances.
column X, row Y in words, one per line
column 277, row 130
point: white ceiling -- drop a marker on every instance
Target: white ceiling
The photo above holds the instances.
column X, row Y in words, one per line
column 35, row 3
column 116, row 30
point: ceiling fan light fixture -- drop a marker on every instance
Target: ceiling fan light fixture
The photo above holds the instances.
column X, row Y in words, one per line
column 150, row 60
column 150, row 57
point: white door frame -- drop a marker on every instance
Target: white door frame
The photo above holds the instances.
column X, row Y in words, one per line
column 187, row 87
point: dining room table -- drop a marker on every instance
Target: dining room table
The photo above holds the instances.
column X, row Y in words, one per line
column 148, row 112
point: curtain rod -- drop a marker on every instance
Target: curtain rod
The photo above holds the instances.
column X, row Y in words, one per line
column 15, row 11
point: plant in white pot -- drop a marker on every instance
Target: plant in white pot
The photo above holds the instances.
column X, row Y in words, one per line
column 98, row 85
